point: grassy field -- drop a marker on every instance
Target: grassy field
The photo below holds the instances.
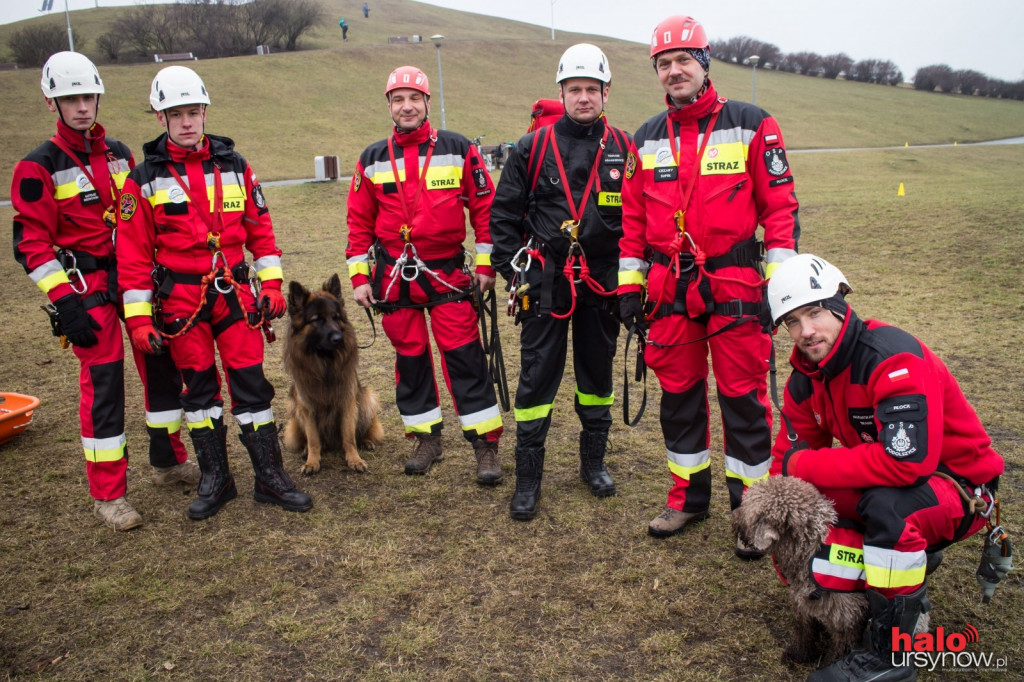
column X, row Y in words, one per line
column 395, row 577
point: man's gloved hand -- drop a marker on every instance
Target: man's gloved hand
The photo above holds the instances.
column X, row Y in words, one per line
column 272, row 300
column 75, row 323
column 146, row 339
column 792, row 455
column 631, row 312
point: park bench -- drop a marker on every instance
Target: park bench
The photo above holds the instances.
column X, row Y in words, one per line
column 173, row 57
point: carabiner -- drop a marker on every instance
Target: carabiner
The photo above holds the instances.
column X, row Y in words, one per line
column 218, row 280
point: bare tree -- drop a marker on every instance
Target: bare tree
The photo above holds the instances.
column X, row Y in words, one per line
column 970, row 82
column 835, row 64
column 31, row 46
column 936, row 77
column 302, row 15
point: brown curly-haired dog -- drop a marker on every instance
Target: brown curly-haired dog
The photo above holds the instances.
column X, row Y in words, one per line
column 788, row 518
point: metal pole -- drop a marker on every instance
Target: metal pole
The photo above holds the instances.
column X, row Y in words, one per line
column 67, row 16
column 754, row 59
column 440, row 77
column 553, row 18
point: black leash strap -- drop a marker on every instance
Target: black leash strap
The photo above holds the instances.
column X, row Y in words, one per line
column 773, row 372
column 640, row 376
column 487, row 307
column 373, row 326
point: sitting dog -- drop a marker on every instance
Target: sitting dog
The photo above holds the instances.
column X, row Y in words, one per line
column 788, row 518
column 328, row 408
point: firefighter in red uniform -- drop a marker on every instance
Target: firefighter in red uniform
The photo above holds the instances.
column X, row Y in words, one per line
column 406, row 211
column 558, row 205
column 700, row 178
column 65, row 195
column 185, row 215
column 911, row 455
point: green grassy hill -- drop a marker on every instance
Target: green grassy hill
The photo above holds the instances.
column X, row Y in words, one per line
column 285, row 109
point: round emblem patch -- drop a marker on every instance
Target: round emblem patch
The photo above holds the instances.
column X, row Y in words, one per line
column 176, row 195
column 630, row 165
column 128, row 206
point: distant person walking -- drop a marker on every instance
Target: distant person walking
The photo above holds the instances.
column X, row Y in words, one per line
column 65, row 195
column 344, row 28
column 366, row 11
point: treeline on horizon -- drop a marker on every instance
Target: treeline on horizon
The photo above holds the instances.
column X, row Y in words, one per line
column 934, row 78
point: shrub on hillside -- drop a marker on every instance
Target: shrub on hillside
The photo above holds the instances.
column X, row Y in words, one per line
column 31, row 46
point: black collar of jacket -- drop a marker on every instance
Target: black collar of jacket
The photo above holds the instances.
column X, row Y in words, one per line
column 567, row 126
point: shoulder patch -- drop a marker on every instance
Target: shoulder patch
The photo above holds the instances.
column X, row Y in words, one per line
column 630, row 165
column 775, row 161
column 128, row 206
column 257, row 197
column 357, row 180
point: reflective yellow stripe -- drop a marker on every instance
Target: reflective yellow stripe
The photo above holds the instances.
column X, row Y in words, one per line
column 770, row 269
column 104, row 449
column 727, row 158
column 485, row 426
column 51, row 281
column 627, row 277
column 444, row 177
column 483, row 259
column 140, row 309
column 685, row 465
column 358, row 268
column 234, row 199
column 422, row 427
column 887, row 568
column 525, row 414
column 609, row 199
column 68, row 190
column 204, row 424
column 591, row 399
column 267, row 274
column 846, row 556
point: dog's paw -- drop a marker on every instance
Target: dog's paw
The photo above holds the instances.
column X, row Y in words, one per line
column 357, row 464
column 309, row 469
column 368, row 445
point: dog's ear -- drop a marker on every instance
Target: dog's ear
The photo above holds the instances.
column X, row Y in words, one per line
column 764, row 537
column 333, row 286
column 297, row 296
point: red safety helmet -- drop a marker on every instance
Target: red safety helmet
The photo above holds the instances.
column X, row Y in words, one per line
column 677, row 33
column 407, row 77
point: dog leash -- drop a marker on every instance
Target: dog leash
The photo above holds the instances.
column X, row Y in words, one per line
column 373, row 326
column 486, row 307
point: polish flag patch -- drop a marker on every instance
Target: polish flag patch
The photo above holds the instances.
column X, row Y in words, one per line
column 899, row 375
column 771, row 139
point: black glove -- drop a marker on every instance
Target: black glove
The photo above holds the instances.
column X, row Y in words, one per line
column 631, row 312
column 789, row 456
column 76, row 324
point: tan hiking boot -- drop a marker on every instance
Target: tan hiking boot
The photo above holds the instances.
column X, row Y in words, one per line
column 672, row 521
column 186, row 472
column 488, row 468
column 116, row 514
column 428, row 451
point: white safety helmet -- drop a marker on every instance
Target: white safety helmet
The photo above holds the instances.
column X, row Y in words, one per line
column 583, row 60
column 70, row 73
column 175, row 86
column 804, row 279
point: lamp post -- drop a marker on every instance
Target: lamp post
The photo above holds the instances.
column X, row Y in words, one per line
column 754, row 59
column 553, row 18
column 440, row 78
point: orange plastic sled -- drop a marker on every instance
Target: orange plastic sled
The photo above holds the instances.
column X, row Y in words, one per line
column 15, row 414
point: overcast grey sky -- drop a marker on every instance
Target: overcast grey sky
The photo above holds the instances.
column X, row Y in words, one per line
column 984, row 35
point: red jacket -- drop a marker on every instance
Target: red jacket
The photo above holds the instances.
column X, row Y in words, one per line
column 457, row 179
column 56, row 206
column 164, row 223
column 897, row 412
column 743, row 181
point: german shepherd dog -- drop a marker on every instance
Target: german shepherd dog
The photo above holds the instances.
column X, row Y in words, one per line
column 328, row 408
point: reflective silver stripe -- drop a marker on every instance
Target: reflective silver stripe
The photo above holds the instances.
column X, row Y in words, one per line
column 72, row 176
column 737, row 134
column 485, row 248
column 267, row 262
column 633, row 264
column 689, row 461
column 202, row 415
column 261, row 417
column 751, row 472
column 111, row 443
column 163, row 417
column 470, row 420
column 826, row 567
column 894, row 560
column 364, row 258
column 138, row 296
column 778, row 255
column 429, row 417
column 50, row 267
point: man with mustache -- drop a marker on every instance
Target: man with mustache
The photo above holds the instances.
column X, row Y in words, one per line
column 701, row 177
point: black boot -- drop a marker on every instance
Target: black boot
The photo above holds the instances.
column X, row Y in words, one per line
column 876, row 661
column 593, row 445
column 273, row 485
column 529, row 469
column 216, row 486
